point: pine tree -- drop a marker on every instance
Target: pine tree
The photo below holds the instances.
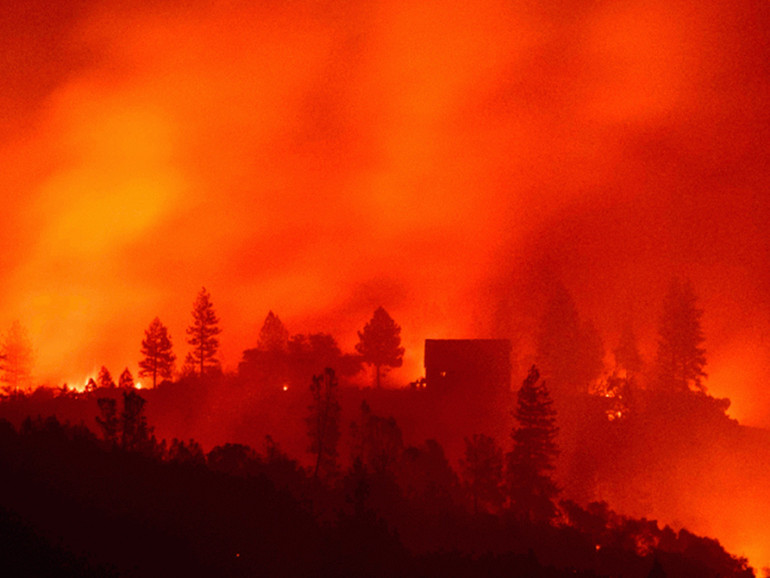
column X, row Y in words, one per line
column 482, row 470
column 269, row 362
column 681, row 357
column 104, row 379
column 530, row 463
column 135, row 433
column 126, row 380
column 380, row 343
column 569, row 350
column 323, row 423
column 16, row 359
column 157, row 351
column 108, row 419
column 377, row 441
column 203, row 334
column 273, row 336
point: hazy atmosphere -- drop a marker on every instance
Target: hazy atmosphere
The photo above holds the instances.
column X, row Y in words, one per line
column 448, row 161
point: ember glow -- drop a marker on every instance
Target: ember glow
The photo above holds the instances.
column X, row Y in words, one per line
column 442, row 159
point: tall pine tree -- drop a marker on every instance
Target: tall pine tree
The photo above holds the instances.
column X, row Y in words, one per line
column 104, row 379
column 202, row 334
column 159, row 358
column 323, row 423
column 681, row 356
column 273, row 336
column 379, row 344
column 569, row 350
column 126, row 380
column 482, row 471
column 16, row 359
column 529, row 465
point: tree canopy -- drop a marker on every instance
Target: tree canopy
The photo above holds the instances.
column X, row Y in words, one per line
column 157, row 351
column 273, row 336
column 569, row 350
column 681, row 356
column 380, row 343
column 323, row 423
column 530, row 463
column 16, row 359
column 104, row 379
column 202, row 334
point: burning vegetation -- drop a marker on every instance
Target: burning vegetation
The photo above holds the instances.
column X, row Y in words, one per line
column 566, row 473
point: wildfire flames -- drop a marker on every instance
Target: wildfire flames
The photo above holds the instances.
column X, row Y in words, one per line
column 443, row 159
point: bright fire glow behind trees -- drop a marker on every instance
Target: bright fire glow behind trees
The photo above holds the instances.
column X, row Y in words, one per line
column 446, row 160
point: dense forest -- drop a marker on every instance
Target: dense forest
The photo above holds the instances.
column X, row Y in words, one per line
column 287, row 467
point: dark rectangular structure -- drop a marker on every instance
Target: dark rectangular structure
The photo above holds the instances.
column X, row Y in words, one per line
column 468, row 366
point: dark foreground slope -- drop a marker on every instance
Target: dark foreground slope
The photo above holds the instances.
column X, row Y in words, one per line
column 71, row 506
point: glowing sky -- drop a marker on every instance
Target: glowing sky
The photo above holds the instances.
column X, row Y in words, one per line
column 442, row 159
column 323, row 158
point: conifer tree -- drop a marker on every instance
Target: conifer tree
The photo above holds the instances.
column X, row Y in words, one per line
column 379, row 344
column 203, row 334
column 681, row 357
column 482, row 470
column 273, row 336
column 104, row 379
column 16, row 359
column 529, row 465
column 126, row 380
column 270, row 359
column 135, row 433
column 108, row 419
column 377, row 441
column 323, row 423
column 159, row 358
column 569, row 350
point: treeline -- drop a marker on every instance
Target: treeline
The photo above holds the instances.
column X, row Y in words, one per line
column 568, row 349
column 238, row 511
column 511, row 492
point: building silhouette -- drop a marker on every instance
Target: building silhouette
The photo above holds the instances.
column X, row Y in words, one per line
column 472, row 368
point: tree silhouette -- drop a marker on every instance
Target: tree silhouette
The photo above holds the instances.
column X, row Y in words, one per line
column 126, row 380
column 377, row 441
column 203, row 334
column 681, row 357
column 530, row 463
column 108, row 419
column 157, row 351
column 482, row 470
column 380, row 343
column 569, row 350
column 134, row 431
column 425, row 475
column 310, row 354
column 16, row 359
column 189, row 452
column 273, row 336
column 323, row 423
column 104, row 379
column 268, row 363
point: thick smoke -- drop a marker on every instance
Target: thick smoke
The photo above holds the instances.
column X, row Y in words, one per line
column 449, row 161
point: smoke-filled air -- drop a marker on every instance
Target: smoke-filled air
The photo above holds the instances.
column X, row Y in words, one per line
column 500, row 267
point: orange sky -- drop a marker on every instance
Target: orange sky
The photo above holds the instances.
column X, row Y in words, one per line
column 321, row 159
column 324, row 158
column 438, row 158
